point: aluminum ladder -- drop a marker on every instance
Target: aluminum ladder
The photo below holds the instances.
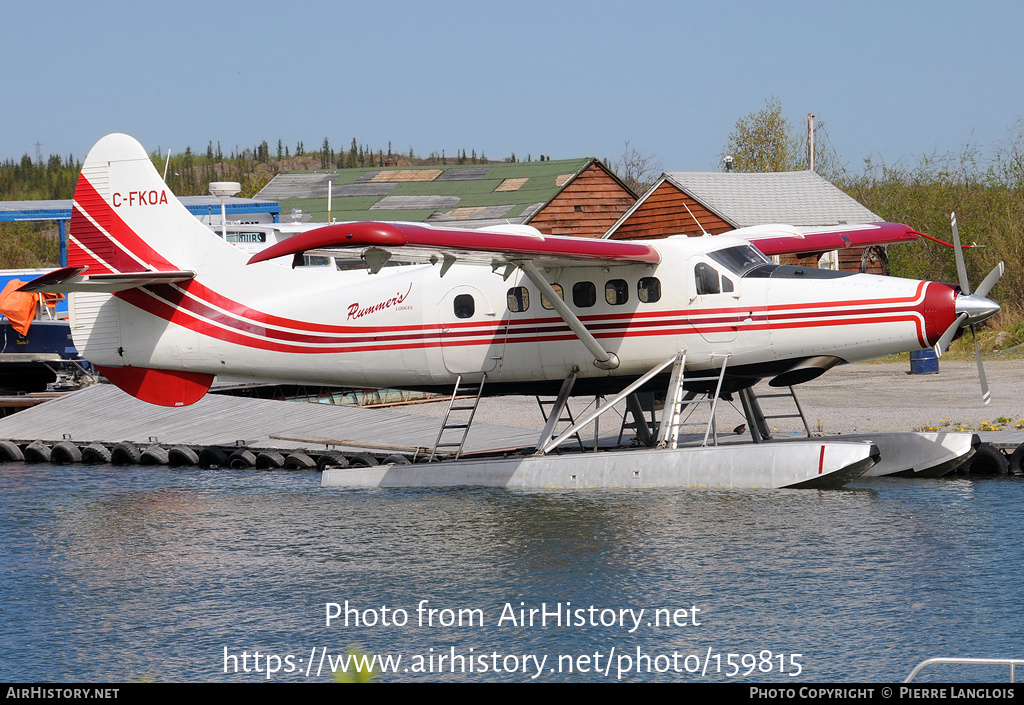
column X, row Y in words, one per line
column 460, row 421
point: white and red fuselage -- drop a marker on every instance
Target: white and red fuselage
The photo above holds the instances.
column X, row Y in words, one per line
column 408, row 326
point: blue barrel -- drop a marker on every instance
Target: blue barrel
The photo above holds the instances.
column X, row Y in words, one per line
column 924, row 362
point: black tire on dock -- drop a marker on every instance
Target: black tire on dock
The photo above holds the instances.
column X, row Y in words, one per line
column 988, row 460
column 299, row 461
column 212, row 457
column 1017, row 460
column 269, row 460
column 10, row 452
column 181, row 457
column 331, row 459
column 37, row 452
column 154, row 455
column 96, row 454
column 242, row 459
column 396, row 460
column 125, row 453
column 364, row 460
column 65, row 453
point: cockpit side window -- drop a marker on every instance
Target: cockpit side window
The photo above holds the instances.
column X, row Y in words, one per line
column 706, row 278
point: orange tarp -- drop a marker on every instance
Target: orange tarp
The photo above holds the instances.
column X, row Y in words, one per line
column 20, row 306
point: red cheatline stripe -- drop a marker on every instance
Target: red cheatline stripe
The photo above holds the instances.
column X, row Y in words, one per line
column 208, row 316
column 431, row 337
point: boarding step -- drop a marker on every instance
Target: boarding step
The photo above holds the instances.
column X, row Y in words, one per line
column 461, row 422
column 782, row 409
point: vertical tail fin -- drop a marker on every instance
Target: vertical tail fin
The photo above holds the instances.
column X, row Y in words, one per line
column 125, row 220
column 124, row 217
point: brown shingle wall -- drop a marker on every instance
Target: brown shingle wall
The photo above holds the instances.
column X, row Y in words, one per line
column 587, row 207
column 664, row 214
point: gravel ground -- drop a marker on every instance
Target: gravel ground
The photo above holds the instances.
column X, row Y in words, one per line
column 866, row 397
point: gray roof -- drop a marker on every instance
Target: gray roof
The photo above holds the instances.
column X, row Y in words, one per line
column 792, row 197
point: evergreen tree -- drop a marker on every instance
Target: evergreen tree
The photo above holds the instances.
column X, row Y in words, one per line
column 325, row 153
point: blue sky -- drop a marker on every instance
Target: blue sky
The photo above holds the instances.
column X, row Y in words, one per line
column 889, row 80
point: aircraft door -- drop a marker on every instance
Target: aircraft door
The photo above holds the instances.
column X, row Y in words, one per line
column 713, row 305
column 470, row 331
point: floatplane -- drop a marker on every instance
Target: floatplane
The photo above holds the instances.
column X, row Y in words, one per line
column 161, row 306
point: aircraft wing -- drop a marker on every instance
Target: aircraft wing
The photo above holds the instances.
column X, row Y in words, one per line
column 787, row 239
column 498, row 242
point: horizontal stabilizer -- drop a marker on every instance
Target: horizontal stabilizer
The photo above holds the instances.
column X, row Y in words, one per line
column 160, row 387
column 68, row 279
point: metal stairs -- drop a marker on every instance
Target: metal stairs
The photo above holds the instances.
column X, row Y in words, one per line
column 461, row 421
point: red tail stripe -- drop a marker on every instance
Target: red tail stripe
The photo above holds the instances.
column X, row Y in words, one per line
column 99, row 210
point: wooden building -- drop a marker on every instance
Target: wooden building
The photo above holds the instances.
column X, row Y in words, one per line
column 578, row 197
column 695, row 203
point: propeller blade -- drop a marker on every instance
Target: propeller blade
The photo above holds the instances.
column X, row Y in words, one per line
column 947, row 337
column 988, row 282
column 986, row 396
column 958, row 253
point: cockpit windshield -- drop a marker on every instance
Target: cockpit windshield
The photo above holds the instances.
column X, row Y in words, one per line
column 739, row 259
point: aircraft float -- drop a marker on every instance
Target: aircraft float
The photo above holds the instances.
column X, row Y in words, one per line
column 161, row 306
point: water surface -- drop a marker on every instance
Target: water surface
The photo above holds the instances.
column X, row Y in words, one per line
column 120, row 574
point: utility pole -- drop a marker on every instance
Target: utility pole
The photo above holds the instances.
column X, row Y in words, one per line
column 810, row 141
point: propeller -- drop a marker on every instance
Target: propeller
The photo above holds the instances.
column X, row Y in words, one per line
column 970, row 308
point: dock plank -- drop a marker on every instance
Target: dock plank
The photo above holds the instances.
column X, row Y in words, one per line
column 104, row 413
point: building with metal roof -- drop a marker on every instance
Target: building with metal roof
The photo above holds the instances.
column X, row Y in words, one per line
column 578, row 197
column 695, row 203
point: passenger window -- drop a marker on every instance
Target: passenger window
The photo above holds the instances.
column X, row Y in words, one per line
column 584, row 294
column 544, row 300
column 727, row 285
column 464, row 306
column 518, row 299
column 616, row 292
column 648, row 290
column 706, row 278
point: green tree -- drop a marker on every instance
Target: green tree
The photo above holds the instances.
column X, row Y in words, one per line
column 766, row 141
column 763, row 141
